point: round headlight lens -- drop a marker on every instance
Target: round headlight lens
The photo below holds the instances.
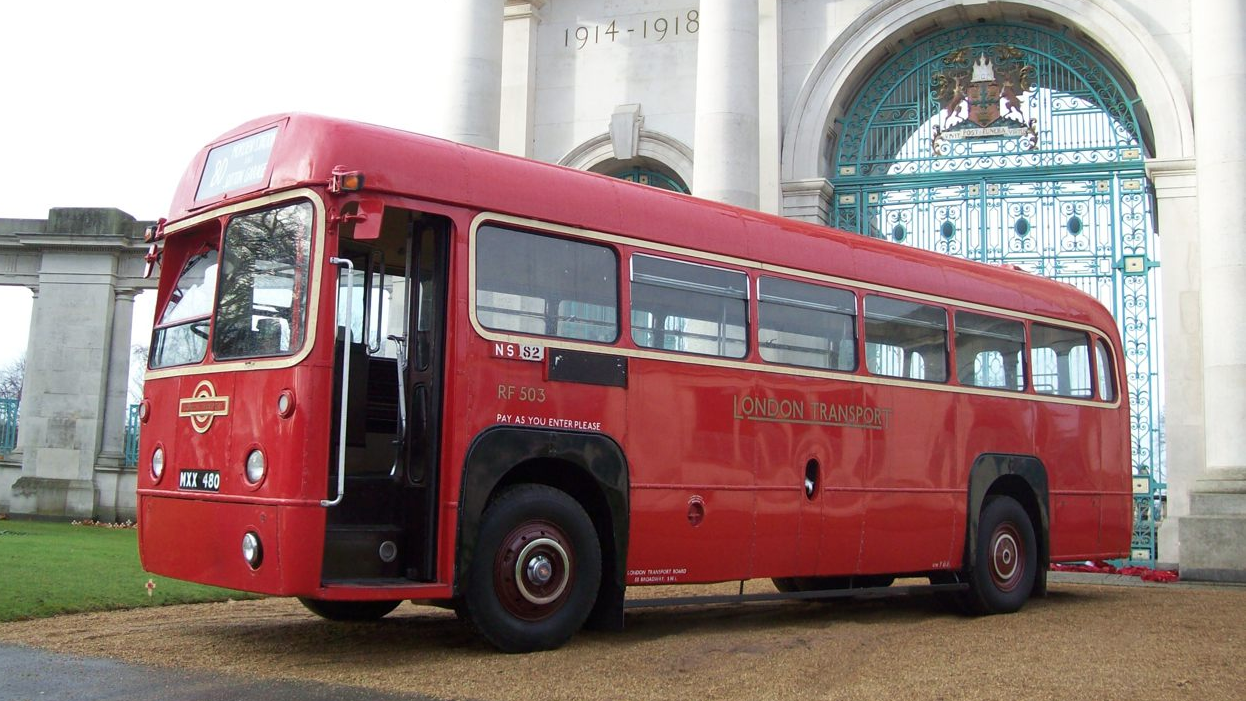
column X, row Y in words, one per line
column 252, row 551
column 157, row 463
column 255, row 466
column 285, row 404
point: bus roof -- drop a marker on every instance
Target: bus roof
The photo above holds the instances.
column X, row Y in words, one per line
column 308, row 147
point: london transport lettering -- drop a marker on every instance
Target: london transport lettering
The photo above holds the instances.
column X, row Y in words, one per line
column 795, row 411
column 666, row 575
column 648, row 29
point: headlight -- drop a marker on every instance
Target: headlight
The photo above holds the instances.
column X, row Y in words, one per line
column 255, row 466
column 157, row 463
column 252, row 551
column 285, row 404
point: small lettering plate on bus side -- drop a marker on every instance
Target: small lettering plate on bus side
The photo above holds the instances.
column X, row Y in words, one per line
column 199, row 480
column 519, row 351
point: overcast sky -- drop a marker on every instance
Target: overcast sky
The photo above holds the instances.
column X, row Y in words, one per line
column 104, row 103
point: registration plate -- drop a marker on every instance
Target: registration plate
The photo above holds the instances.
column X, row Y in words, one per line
column 199, row 480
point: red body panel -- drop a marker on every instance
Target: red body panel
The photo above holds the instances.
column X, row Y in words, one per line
column 893, row 490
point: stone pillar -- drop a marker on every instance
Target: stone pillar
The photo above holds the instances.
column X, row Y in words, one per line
column 769, row 99
column 725, row 152
column 110, row 478
column 471, row 105
column 70, row 359
column 518, row 84
column 1177, row 224
column 1213, row 535
column 112, row 445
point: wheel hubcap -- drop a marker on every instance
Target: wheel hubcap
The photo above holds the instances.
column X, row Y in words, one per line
column 533, row 570
column 540, row 570
column 1007, row 557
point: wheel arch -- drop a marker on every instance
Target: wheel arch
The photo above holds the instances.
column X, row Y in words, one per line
column 589, row 467
column 1024, row 479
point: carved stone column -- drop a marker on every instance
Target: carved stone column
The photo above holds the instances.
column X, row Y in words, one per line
column 1213, row 535
column 1176, row 191
column 725, row 152
column 471, row 105
column 518, row 83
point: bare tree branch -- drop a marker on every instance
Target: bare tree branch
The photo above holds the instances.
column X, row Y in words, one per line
column 138, row 365
column 11, row 378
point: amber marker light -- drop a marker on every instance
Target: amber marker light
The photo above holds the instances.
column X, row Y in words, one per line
column 352, row 182
column 343, row 180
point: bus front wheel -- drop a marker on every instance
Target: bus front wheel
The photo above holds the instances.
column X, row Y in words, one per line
column 536, row 570
column 1006, row 559
column 349, row 610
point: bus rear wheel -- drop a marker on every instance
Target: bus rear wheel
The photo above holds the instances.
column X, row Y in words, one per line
column 1006, row 560
column 349, row 610
column 536, row 570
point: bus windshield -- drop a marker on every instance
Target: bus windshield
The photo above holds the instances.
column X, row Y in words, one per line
column 257, row 275
column 262, row 305
column 181, row 335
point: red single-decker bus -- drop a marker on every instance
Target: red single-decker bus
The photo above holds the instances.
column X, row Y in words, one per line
column 386, row 367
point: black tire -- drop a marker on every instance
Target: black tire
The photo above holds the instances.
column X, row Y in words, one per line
column 535, row 572
column 1006, row 561
column 350, row 610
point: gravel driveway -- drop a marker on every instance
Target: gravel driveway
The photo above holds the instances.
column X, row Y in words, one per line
column 1081, row 641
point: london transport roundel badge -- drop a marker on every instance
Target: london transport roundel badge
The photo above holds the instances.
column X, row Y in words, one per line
column 203, row 406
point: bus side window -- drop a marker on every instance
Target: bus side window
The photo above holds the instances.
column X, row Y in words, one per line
column 689, row 308
column 806, row 325
column 905, row 339
column 546, row 286
column 990, row 351
column 1107, row 381
column 1060, row 361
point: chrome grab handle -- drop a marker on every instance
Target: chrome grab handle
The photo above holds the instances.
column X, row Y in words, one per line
column 400, row 343
column 341, row 438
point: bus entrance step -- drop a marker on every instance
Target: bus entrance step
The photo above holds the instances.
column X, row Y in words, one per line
column 371, row 583
column 363, row 551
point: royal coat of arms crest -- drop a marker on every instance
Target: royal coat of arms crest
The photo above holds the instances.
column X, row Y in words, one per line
column 983, row 96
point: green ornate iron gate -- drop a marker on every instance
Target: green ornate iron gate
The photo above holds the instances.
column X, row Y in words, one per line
column 1013, row 145
column 8, row 425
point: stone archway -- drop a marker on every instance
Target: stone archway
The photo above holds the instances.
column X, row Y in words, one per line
column 653, row 150
column 848, row 61
column 86, row 267
column 814, row 185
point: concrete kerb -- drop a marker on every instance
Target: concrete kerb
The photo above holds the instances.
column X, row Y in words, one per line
column 1120, row 580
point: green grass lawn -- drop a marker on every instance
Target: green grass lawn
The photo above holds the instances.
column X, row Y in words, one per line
column 48, row 569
